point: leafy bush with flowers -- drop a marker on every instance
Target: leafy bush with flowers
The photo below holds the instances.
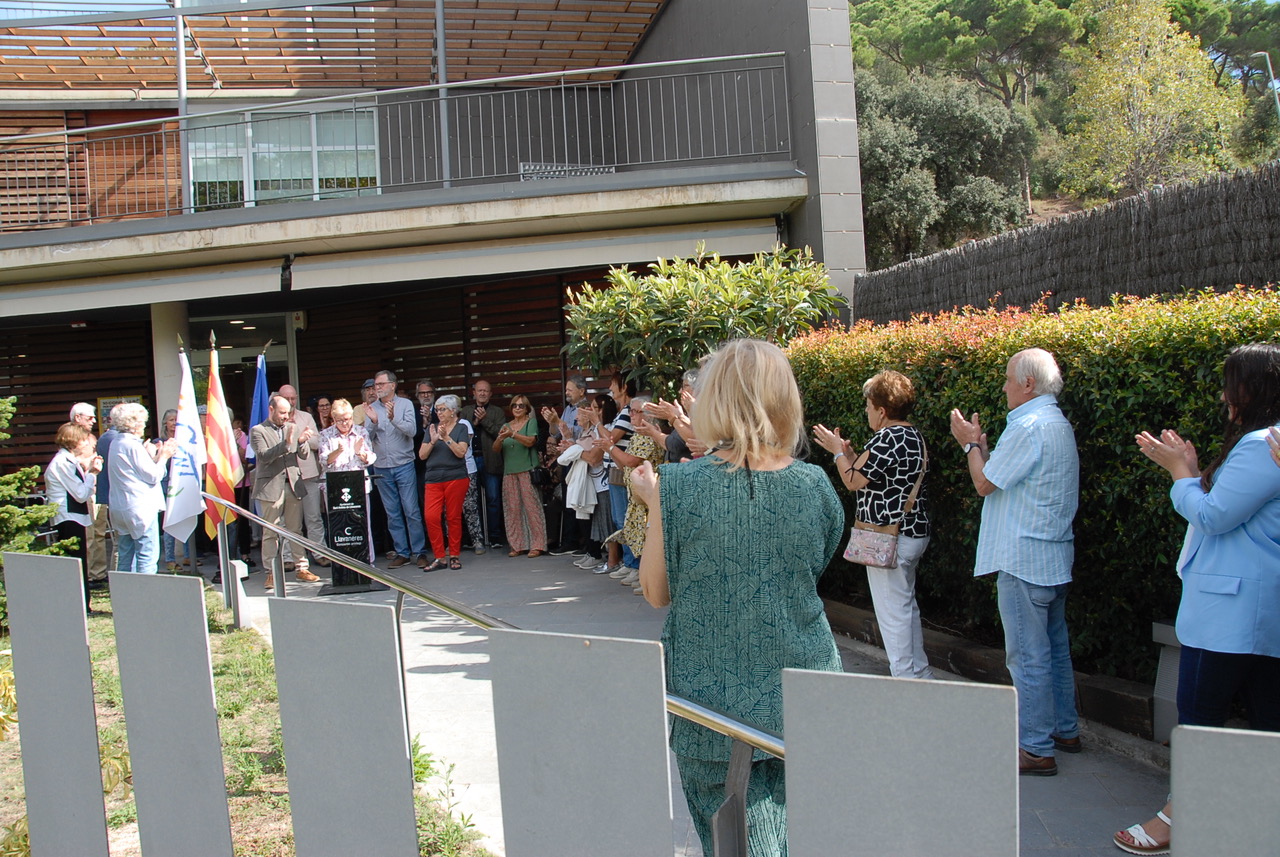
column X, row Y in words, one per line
column 1136, row 364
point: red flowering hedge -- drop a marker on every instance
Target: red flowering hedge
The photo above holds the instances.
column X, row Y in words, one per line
column 1137, row 364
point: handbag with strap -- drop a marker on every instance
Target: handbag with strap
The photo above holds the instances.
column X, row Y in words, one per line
column 877, row 545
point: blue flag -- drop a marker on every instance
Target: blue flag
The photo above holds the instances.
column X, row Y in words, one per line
column 261, row 400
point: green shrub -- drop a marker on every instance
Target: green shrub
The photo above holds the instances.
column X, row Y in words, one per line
column 657, row 325
column 1137, row 364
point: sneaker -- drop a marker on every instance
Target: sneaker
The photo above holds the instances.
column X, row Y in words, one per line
column 602, row 568
column 581, row 552
column 637, row 590
column 619, row 570
column 323, row 562
column 480, row 550
column 397, row 561
column 632, row 578
column 586, row 561
column 306, row 576
column 561, row 550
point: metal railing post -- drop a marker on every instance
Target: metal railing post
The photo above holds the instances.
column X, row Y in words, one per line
column 224, row 562
column 278, row 562
column 729, row 822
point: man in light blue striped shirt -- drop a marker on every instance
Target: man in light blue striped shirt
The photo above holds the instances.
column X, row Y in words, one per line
column 1031, row 486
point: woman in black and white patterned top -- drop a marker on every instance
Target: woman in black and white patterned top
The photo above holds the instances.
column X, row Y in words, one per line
column 881, row 478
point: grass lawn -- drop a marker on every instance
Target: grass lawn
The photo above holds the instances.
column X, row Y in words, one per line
column 252, row 752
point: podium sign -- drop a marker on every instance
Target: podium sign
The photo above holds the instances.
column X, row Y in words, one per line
column 348, row 530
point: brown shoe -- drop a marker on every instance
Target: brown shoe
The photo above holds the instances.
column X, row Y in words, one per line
column 398, row 561
column 1067, row 745
column 422, row 560
column 1036, row 766
column 323, row 562
column 270, row 583
column 534, row 553
column 306, row 576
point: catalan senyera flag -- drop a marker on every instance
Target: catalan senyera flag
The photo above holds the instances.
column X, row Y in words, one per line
column 223, row 469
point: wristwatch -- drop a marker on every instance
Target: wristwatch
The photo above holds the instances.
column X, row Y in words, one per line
column 970, row 447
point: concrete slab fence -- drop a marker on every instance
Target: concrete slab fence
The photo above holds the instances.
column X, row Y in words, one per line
column 581, row 728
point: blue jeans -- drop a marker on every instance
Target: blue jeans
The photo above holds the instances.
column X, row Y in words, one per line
column 1038, row 655
column 618, row 507
column 398, row 489
column 171, row 547
column 139, row 554
column 492, row 500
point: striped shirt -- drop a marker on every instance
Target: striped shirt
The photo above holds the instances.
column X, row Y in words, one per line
column 1026, row 522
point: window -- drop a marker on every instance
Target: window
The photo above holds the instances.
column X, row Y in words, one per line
column 281, row 157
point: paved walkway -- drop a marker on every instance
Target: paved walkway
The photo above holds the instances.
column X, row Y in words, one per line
column 1095, row 793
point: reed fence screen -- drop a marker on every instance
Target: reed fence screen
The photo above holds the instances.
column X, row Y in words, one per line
column 1210, row 235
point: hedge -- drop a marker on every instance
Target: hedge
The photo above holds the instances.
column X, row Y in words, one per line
column 1137, row 364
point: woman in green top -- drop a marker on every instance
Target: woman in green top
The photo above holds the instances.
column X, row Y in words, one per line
column 737, row 541
column 521, row 505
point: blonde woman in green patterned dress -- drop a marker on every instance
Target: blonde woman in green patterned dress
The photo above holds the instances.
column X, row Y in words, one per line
column 737, row 541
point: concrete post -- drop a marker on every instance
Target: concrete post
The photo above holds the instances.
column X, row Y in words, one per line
column 168, row 322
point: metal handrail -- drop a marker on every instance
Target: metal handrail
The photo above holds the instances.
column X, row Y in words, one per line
column 717, row 721
column 382, row 93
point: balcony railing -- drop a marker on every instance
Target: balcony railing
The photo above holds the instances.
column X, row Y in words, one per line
column 531, row 128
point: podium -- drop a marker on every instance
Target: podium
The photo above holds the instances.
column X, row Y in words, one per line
column 347, row 503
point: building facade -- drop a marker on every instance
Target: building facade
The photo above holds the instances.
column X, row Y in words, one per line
column 413, row 187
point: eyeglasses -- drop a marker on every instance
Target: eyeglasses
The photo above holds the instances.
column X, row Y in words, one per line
column 521, row 405
column 440, row 409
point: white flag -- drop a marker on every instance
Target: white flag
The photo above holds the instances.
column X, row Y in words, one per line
column 183, row 504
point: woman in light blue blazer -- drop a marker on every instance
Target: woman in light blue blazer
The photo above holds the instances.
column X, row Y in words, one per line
column 1229, row 618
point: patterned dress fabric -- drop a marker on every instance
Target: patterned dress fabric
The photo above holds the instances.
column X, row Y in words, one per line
column 744, row 551
column 633, row 528
column 895, row 456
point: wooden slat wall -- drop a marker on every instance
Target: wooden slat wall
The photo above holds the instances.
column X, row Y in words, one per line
column 136, row 176
column 39, row 180
column 509, row 332
column 51, row 368
column 97, row 177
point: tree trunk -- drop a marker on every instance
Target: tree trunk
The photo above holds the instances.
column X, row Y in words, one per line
column 1024, row 173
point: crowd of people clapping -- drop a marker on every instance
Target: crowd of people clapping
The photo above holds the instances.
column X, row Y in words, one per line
column 705, row 505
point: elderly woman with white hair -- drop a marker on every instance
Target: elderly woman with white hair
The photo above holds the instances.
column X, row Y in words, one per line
column 136, row 469
column 445, row 481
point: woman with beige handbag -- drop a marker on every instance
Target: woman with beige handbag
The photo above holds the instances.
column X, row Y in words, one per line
column 891, row 529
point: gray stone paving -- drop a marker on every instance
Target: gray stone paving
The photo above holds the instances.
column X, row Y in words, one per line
column 1095, row 793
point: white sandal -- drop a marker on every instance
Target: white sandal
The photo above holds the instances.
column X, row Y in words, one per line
column 1143, row 843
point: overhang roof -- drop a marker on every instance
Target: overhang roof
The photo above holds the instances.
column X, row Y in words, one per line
column 335, row 45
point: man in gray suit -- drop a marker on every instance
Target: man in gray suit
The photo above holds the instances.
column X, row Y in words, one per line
column 278, row 485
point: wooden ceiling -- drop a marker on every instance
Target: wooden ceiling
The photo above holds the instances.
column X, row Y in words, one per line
column 373, row 45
